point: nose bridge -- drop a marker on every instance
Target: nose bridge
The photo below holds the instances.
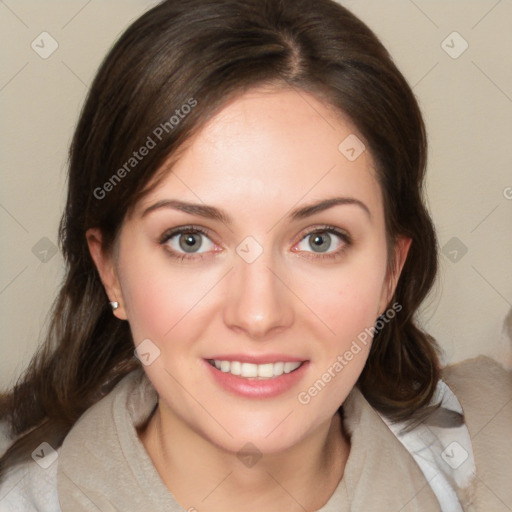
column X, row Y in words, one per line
column 257, row 300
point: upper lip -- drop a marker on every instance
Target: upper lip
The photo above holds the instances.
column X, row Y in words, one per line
column 258, row 359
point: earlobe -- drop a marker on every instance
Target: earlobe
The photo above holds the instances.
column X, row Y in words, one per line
column 104, row 263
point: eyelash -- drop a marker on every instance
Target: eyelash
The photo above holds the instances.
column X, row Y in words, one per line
column 344, row 236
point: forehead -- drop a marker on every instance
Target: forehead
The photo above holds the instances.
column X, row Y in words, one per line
column 271, row 146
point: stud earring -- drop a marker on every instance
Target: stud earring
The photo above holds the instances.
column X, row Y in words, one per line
column 114, row 305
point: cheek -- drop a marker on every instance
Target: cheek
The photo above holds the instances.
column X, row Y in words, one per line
column 348, row 306
column 158, row 298
column 347, row 297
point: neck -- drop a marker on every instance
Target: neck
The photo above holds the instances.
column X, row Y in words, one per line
column 203, row 476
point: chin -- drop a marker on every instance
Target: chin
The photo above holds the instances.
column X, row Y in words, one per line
column 266, row 433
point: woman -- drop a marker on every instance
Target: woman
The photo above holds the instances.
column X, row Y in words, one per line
column 247, row 246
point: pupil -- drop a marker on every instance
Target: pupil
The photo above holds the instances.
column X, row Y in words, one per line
column 188, row 242
column 321, row 242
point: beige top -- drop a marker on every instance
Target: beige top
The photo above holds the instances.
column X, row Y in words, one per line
column 103, row 462
column 102, row 465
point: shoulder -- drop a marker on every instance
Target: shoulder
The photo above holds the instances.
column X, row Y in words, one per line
column 484, row 390
column 483, row 387
column 31, row 486
column 485, row 367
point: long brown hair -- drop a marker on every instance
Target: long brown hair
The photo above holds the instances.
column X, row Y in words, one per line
column 208, row 51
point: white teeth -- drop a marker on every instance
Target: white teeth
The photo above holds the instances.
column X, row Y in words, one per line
column 266, row 370
column 250, row 370
column 289, row 367
column 236, row 367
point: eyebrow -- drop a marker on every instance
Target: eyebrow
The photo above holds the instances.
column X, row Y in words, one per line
column 211, row 212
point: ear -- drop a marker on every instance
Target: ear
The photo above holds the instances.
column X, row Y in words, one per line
column 401, row 250
column 105, row 265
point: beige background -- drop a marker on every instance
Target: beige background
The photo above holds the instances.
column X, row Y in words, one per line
column 467, row 102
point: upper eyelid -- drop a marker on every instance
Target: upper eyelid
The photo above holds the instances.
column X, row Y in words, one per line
column 171, row 233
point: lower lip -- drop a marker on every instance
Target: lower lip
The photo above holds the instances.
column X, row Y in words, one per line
column 257, row 388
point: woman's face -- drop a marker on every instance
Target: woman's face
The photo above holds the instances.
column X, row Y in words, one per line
column 266, row 275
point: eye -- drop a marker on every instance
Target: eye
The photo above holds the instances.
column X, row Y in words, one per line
column 184, row 243
column 321, row 240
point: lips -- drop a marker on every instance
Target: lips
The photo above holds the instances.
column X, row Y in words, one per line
column 256, row 376
column 252, row 370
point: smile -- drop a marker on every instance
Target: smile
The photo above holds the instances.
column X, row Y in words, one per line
column 255, row 371
column 264, row 377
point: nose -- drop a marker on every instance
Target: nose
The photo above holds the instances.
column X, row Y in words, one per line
column 258, row 301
